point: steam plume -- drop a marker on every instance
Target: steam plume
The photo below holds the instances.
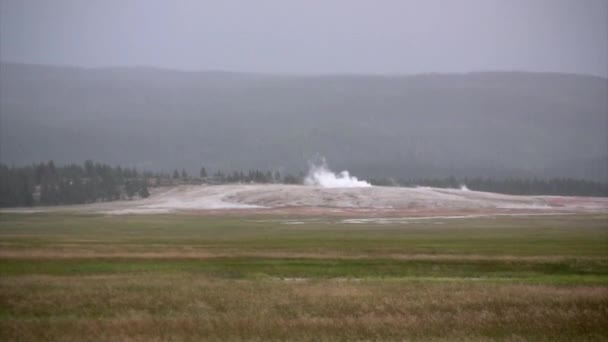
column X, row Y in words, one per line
column 320, row 175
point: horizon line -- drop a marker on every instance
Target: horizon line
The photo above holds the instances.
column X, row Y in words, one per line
column 305, row 74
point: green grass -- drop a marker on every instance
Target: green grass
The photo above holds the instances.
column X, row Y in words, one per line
column 519, row 236
column 185, row 277
column 534, row 248
column 572, row 271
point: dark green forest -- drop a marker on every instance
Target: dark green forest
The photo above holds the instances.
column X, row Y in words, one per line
column 48, row 184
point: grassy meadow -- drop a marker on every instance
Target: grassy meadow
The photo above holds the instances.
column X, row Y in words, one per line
column 73, row 277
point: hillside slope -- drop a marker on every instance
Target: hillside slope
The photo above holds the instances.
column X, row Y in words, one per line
column 480, row 124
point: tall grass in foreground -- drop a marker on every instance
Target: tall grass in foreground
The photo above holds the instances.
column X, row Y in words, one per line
column 190, row 307
column 192, row 278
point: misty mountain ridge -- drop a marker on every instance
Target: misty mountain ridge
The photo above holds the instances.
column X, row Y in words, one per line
column 494, row 124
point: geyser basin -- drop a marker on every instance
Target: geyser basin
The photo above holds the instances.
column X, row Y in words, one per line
column 351, row 201
column 400, row 201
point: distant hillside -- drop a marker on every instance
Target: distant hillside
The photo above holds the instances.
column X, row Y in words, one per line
column 480, row 124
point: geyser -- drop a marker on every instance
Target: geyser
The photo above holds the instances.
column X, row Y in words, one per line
column 321, row 175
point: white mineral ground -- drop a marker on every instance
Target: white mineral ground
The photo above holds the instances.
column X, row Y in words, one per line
column 353, row 201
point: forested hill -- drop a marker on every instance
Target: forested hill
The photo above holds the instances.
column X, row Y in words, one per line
column 467, row 125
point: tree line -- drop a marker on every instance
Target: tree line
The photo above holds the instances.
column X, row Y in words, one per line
column 48, row 184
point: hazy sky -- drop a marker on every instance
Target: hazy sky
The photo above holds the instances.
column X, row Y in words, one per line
column 311, row 36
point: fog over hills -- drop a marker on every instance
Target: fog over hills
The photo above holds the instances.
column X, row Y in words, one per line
column 494, row 124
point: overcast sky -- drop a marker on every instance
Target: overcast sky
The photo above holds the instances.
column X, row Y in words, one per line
column 311, row 36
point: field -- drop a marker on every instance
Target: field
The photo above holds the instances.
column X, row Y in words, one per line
column 85, row 276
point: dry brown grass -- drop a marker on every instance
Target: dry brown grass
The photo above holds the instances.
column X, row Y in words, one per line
column 190, row 307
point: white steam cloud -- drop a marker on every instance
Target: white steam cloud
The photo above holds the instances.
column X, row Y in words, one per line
column 321, row 175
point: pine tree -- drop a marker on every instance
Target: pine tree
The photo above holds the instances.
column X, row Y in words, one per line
column 277, row 177
column 143, row 190
column 130, row 188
